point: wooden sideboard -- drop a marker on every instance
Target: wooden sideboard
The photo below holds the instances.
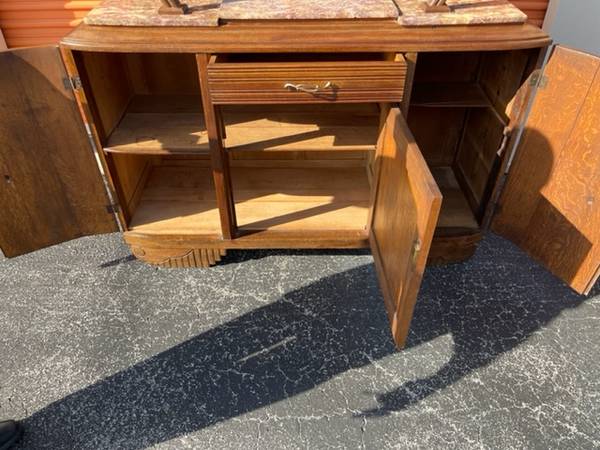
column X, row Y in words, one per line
column 327, row 134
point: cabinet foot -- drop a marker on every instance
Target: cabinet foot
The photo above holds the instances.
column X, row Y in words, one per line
column 178, row 258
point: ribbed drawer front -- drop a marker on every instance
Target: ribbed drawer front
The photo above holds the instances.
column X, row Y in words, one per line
column 306, row 82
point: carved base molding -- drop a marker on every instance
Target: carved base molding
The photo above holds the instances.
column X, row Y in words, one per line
column 179, row 258
column 444, row 250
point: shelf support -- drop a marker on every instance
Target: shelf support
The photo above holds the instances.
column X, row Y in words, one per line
column 218, row 155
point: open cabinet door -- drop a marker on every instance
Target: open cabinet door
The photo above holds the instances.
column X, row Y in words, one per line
column 51, row 188
column 405, row 213
column 550, row 206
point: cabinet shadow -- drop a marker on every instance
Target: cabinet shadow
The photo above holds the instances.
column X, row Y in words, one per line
column 293, row 345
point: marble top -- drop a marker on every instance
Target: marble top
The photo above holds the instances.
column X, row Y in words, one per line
column 462, row 12
column 308, row 9
column 207, row 13
column 144, row 13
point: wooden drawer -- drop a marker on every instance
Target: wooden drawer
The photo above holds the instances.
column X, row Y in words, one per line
column 247, row 80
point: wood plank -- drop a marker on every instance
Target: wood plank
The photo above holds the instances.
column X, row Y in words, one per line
column 159, row 134
column 272, row 239
column 52, row 188
column 549, row 206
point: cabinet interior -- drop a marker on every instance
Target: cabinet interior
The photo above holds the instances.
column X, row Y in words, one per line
column 459, row 111
column 294, row 167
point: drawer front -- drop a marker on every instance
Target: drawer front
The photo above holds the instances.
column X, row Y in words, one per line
column 306, row 82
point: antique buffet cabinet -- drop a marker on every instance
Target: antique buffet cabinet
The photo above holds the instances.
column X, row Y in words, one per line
column 311, row 134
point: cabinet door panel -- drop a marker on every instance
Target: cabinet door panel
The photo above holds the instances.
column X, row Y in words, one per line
column 550, row 206
column 405, row 212
column 51, row 188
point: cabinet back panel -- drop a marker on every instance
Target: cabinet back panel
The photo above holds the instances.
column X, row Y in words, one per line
column 448, row 67
column 502, row 74
column 162, row 73
column 476, row 161
column 438, row 132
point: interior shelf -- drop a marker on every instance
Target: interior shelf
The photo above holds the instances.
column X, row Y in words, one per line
column 451, row 95
column 161, row 125
column 171, row 125
column 177, row 200
column 342, row 127
column 293, row 199
column 180, row 199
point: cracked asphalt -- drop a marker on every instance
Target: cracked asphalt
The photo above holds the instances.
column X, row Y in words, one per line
column 278, row 350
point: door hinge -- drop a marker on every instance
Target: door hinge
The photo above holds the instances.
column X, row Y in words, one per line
column 538, row 79
column 113, row 208
column 72, row 83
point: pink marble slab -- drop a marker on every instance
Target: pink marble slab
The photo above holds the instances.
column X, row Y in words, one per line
column 463, row 12
column 144, row 13
column 307, row 9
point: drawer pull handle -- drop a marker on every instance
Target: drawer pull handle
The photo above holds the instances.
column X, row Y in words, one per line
column 302, row 88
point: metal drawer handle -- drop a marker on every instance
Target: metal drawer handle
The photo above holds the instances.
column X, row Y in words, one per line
column 302, row 88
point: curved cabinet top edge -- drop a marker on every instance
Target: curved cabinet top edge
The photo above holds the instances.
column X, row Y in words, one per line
column 305, row 36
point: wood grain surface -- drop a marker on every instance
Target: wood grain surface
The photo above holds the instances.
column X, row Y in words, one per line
column 404, row 218
column 51, row 189
column 252, row 82
column 306, row 36
column 550, row 203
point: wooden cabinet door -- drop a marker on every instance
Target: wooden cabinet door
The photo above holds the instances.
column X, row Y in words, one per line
column 51, row 188
column 405, row 212
column 550, row 206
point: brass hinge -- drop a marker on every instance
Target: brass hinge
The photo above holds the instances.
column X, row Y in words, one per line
column 538, row 79
column 72, row 83
column 113, row 208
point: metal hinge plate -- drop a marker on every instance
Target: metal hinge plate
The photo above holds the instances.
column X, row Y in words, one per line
column 72, row 83
column 538, row 79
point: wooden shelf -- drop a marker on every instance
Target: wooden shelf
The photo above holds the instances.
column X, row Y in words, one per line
column 174, row 125
column 181, row 200
column 340, row 127
column 177, row 200
column 449, row 95
column 161, row 125
column 301, row 199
